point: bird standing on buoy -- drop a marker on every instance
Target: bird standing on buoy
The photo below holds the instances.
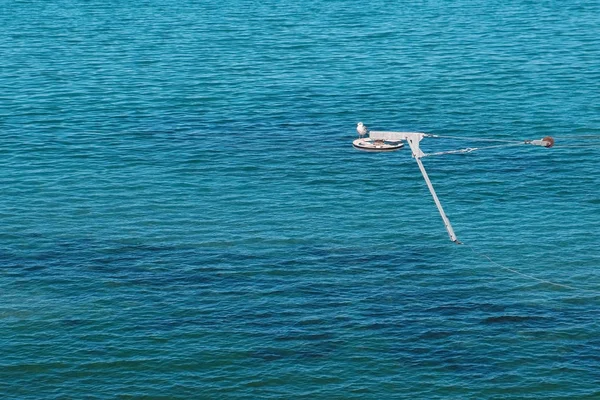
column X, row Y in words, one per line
column 361, row 129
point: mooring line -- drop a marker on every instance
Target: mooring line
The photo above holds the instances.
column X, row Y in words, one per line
column 472, row 149
column 479, row 139
column 523, row 274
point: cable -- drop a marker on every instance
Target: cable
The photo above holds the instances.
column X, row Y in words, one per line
column 583, row 146
column 581, row 137
column 471, row 149
column 522, row 274
column 474, row 138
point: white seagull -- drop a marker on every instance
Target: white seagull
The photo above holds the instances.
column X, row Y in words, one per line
column 361, row 129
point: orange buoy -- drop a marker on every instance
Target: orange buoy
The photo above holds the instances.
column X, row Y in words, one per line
column 549, row 141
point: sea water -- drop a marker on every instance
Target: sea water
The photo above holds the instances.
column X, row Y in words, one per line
column 183, row 215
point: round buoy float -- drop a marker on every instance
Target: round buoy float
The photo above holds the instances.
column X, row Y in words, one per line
column 368, row 144
column 549, row 141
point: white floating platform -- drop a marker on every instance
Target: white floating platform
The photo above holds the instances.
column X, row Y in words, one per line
column 368, row 144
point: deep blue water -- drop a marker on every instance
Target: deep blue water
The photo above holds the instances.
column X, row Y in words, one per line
column 183, row 215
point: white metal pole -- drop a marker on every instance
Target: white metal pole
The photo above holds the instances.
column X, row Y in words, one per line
column 437, row 202
column 413, row 140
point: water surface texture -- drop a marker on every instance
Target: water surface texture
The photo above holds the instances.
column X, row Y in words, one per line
column 183, row 215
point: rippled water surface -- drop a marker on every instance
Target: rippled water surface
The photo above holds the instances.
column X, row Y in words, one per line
column 183, row 215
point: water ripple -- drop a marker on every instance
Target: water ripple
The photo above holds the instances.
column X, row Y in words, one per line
column 183, row 215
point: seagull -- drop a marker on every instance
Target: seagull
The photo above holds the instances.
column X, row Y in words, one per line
column 361, row 129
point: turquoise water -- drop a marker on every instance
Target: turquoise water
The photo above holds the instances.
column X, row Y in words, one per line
column 183, row 214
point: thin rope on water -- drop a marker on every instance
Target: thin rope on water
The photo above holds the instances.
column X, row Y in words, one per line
column 582, row 137
column 562, row 285
column 475, row 138
column 583, row 146
column 471, row 149
column 572, row 141
column 587, row 138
